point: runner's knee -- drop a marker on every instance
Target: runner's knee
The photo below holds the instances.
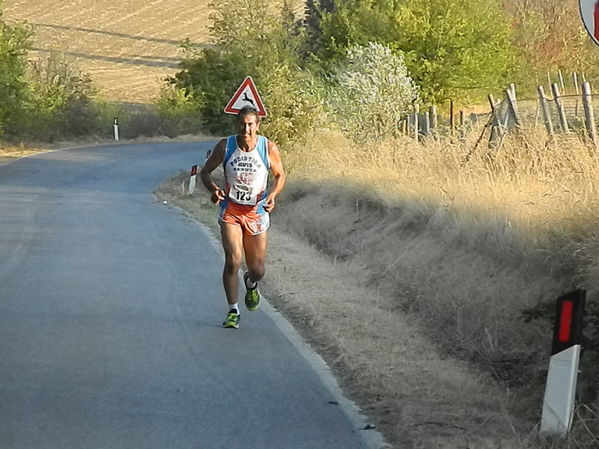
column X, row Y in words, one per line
column 256, row 273
column 232, row 262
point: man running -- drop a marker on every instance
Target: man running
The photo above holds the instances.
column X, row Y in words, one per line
column 245, row 205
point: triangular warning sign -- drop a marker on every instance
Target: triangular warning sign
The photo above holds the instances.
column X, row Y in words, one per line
column 246, row 95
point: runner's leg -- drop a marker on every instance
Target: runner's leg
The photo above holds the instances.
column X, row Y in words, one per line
column 232, row 238
column 255, row 255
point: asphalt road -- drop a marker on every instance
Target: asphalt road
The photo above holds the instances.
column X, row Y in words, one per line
column 110, row 321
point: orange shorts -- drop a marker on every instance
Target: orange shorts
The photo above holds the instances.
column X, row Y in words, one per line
column 251, row 220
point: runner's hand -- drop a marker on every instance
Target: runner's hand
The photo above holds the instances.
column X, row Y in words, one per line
column 269, row 204
column 217, row 196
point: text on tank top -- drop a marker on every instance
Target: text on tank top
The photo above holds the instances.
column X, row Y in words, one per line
column 246, row 172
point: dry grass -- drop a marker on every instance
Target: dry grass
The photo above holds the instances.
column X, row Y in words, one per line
column 420, row 267
column 462, row 245
column 532, row 185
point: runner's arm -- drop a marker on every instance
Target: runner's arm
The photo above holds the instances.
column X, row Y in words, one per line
column 276, row 168
column 214, row 160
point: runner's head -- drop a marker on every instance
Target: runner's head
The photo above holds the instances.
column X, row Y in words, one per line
column 248, row 122
column 248, row 110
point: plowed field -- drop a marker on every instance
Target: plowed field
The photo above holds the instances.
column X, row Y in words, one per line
column 127, row 47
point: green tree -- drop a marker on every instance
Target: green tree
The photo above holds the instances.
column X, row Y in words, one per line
column 451, row 47
column 207, row 79
column 14, row 41
column 352, row 22
column 252, row 38
column 456, row 47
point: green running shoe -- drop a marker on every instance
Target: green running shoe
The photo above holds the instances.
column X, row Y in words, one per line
column 252, row 295
column 232, row 320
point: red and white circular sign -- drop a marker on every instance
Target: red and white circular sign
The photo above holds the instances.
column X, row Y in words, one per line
column 589, row 11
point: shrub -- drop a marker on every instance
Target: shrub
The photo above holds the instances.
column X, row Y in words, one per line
column 207, row 81
column 372, row 91
column 44, row 99
column 13, row 89
column 251, row 38
column 59, row 102
column 179, row 113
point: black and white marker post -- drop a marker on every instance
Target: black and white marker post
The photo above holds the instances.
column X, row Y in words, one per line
column 192, row 179
column 115, row 127
column 560, row 391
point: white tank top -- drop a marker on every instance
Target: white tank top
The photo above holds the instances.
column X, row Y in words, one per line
column 246, row 172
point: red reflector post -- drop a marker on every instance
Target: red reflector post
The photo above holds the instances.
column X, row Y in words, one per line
column 565, row 321
column 194, row 170
column 567, row 330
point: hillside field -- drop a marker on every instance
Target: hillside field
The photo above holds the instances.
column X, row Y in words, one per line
column 126, row 47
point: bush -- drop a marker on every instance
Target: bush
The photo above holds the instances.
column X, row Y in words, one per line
column 372, row 92
column 59, row 102
column 179, row 113
column 14, row 41
column 250, row 39
column 207, row 81
column 45, row 99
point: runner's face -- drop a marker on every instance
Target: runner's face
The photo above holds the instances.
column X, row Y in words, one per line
column 248, row 126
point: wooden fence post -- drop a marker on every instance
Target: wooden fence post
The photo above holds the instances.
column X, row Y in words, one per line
column 416, row 122
column 462, row 125
column 561, row 81
column 494, row 123
column 451, row 118
column 577, row 91
column 545, row 109
column 512, row 87
column 426, row 131
column 588, row 112
column 511, row 99
column 434, row 119
column 560, row 108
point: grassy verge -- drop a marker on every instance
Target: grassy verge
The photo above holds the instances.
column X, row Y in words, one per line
column 409, row 269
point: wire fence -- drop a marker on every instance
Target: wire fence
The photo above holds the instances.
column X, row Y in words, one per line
column 570, row 113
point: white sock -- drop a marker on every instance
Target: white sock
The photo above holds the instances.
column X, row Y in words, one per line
column 234, row 307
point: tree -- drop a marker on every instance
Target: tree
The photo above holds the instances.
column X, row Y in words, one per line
column 456, row 47
column 451, row 47
column 251, row 38
column 14, row 41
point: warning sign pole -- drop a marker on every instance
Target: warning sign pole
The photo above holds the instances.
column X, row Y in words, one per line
column 560, row 391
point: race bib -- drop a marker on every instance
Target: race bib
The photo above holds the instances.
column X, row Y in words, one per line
column 243, row 194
